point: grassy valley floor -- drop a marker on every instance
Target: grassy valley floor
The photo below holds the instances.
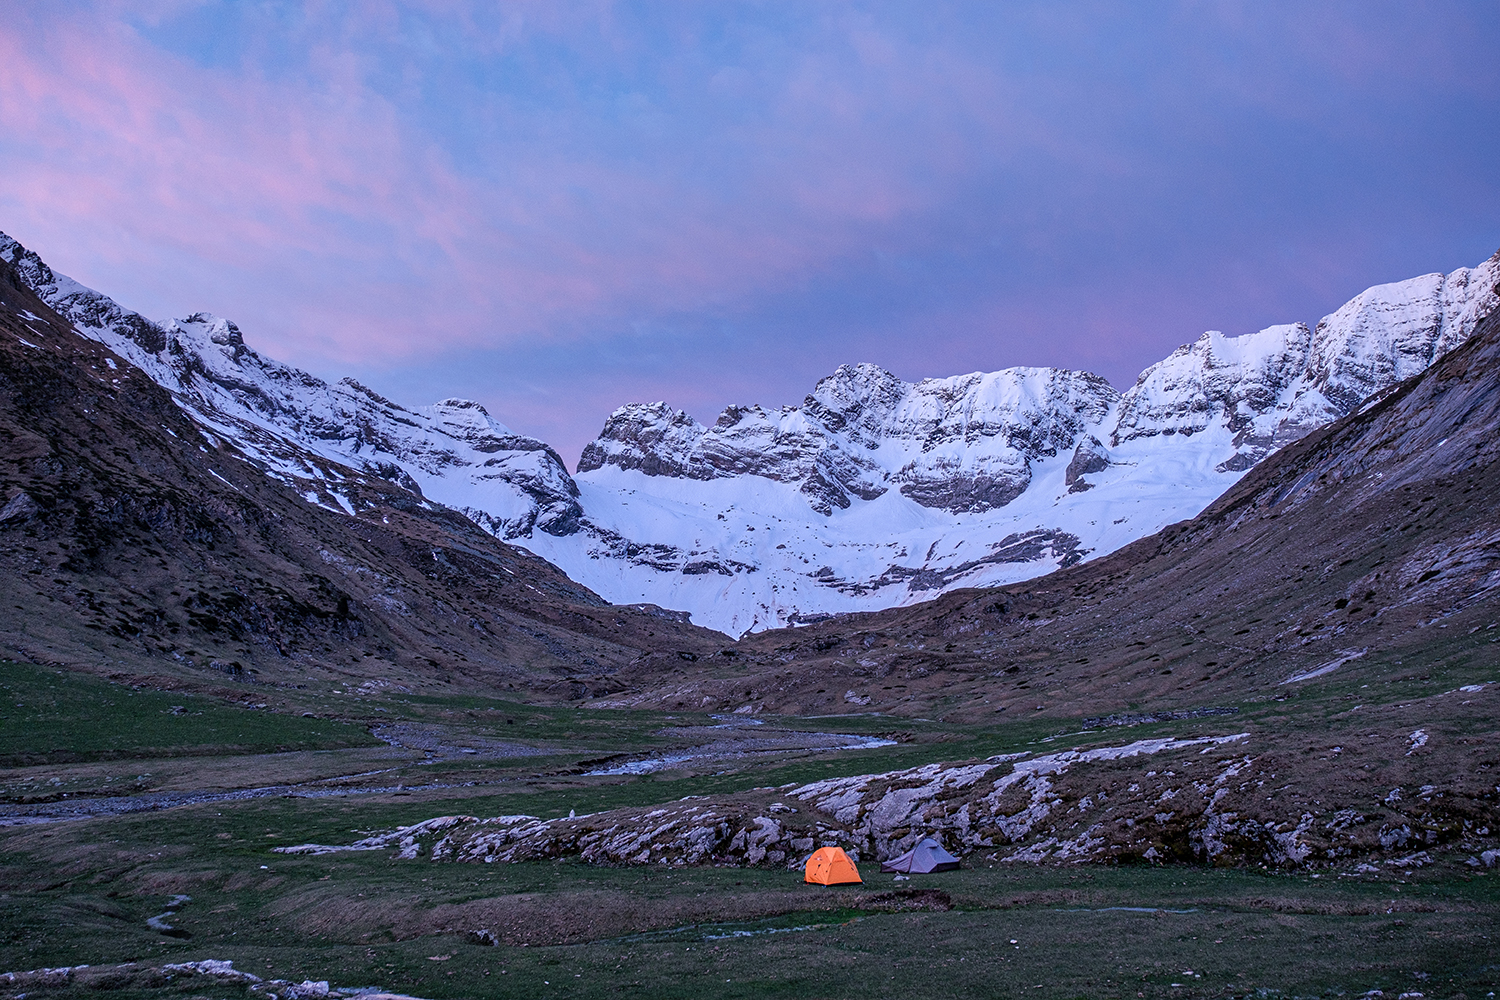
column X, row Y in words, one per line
column 83, row 890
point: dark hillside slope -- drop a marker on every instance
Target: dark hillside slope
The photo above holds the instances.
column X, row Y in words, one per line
column 1372, row 546
column 135, row 544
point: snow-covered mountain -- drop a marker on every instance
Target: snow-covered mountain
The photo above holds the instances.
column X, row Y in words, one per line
column 962, row 444
column 1274, row 386
column 285, row 420
column 872, row 493
column 876, row 492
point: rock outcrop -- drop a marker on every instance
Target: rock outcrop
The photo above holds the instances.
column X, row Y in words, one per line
column 1194, row 799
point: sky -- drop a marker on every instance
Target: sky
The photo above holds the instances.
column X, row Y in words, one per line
column 559, row 207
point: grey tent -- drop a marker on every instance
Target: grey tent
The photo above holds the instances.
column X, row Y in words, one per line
column 927, row 856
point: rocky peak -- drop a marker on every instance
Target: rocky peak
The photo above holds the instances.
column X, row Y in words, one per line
column 1269, row 388
column 733, row 416
column 959, row 444
column 1389, row 333
column 652, row 437
column 857, row 400
column 82, row 306
column 1036, row 411
column 468, row 420
column 1214, row 379
column 207, row 326
column 33, row 270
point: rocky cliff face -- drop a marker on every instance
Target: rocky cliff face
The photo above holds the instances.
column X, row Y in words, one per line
column 961, row 444
column 453, row 451
column 1273, row 387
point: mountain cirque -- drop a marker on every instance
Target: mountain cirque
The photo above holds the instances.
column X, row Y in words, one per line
column 872, row 493
column 876, row 492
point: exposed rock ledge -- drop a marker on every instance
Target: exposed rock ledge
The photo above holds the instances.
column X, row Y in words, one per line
column 1203, row 801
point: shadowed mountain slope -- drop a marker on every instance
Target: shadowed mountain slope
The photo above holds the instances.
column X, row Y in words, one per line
column 138, row 543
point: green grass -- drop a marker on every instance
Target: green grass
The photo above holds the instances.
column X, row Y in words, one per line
column 49, row 715
column 322, row 918
column 81, row 892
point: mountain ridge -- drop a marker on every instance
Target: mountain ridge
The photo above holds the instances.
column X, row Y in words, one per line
column 275, row 412
column 899, row 514
column 873, row 492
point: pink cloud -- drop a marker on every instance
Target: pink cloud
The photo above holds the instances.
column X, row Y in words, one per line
column 628, row 173
column 235, row 170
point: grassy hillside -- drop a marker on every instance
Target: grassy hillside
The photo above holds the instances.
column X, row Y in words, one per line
column 49, row 716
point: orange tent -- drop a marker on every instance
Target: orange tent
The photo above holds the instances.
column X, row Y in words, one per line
column 831, row 866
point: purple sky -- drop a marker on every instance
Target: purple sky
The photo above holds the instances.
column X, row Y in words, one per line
column 563, row 207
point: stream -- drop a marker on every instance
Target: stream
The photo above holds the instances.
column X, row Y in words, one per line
column 733, row 739
column 776, row 743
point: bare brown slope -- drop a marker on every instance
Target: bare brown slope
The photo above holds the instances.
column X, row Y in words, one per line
column 133, row 544
column 1375, row 540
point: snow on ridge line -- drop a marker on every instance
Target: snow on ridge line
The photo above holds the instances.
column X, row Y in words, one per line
column 825, row 512
column 962, row 444
column 873, row 492
column 285, row 419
